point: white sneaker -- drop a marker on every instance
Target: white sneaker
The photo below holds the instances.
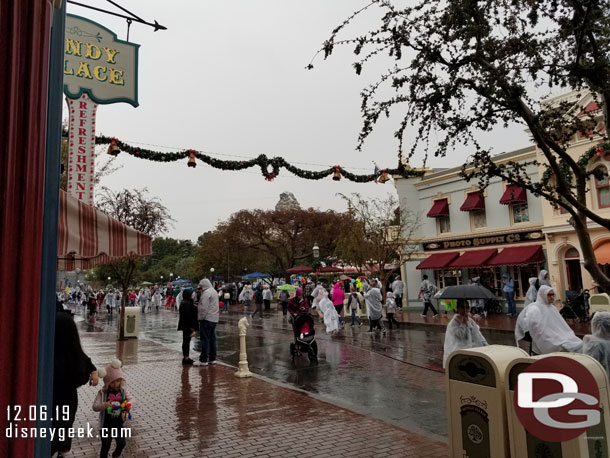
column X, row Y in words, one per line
column 199, row 363
column 212, row 363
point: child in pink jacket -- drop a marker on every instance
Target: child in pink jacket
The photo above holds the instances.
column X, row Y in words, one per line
column 113, row 402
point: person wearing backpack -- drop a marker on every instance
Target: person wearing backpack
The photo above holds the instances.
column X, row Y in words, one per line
column 427, row 290
column 353, row 302
column 283, row 298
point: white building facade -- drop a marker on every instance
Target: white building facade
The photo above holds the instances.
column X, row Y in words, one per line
column 464, row 232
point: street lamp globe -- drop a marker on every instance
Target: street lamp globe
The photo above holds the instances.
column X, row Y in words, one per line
column 316, row 250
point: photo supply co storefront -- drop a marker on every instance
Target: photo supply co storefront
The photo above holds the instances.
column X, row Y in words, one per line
column 458, row 261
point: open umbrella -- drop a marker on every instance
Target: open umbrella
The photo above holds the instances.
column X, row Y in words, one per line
column 344, row 277
column 286, row 287
column 465, row 292
column 145, row 283
column 255, row 275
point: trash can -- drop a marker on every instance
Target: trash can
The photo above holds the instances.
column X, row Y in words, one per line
column 599, row 303
column 132, row 321
column 593, row 443
column 476, row 401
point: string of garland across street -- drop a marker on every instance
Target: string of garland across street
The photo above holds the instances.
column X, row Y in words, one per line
column 270, row 167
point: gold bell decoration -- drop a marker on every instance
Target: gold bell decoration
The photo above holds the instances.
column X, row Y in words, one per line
column 191, row 162
column 336, row 173
column 113, row 148
column 384, row 177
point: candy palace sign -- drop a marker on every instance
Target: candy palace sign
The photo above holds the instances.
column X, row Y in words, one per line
column 99, row 64
column 470, row 242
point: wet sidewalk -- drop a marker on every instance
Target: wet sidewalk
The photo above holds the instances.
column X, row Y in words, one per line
column 207, row 412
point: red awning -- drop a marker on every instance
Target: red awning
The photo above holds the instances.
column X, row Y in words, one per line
column 440, row 208
column 518, row 256
column 513, row 194
column 299, row 270
column 475, row 201
column 472, row 259
column 88, row 237
column 437, row 261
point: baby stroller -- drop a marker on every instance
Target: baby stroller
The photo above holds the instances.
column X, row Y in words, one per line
column 304, row 337
column 576, row 305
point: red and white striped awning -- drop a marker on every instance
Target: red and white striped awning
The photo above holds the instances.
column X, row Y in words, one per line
column 88, row 237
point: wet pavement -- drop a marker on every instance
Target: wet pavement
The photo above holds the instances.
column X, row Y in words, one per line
column 375, row 404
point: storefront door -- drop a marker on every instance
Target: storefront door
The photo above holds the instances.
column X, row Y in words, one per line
column 573, row 272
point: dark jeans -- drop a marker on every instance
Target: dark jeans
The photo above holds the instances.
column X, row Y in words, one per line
column 510, row 302
column 429, row 304
column 355, row 318
column 207, row 331
column 259, row 309
column 107, row 442
column 284, row 307
column 186, row 342
column 267, row 304
column 374, row 324
column 398, row 301
column 391, row 320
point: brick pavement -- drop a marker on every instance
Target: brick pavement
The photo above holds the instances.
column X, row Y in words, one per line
column 207, row 412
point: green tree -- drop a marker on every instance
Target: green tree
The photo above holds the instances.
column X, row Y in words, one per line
column 462, row 67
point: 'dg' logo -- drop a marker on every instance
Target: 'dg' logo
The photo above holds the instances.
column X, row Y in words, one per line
column 557, row 399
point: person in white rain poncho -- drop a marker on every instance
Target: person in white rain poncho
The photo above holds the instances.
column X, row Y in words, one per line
column 318, row 294
column 543, row 279
column 374, row 305
column 598, row 344
column 179, row 298
column 331, row 317
column 548, row 329
column 462, row 332
column 156, row 300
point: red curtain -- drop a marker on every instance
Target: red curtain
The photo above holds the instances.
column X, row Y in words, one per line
column 24, row 40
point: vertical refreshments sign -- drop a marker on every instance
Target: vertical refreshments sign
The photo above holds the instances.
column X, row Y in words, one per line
column 98, row 69
column 81, row 148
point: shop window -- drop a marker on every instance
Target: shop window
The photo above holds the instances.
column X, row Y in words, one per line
column 446, row 278
column 573, row 271
column 478, row 219
column 522, row 275
column 603, row 190
column 443, row 225
column 520, row 212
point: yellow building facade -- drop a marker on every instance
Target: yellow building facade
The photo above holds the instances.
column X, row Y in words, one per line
column 564, row 255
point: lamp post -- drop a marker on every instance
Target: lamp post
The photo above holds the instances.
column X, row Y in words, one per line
column 171, row 276
column 161, row 279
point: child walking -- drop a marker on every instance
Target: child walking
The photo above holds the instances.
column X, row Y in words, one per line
column 113, row 402
column 390, row 304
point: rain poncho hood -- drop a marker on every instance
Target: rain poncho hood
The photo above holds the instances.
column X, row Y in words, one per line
column 597, row 345
column 331, row 317
column 462, row 333
column 548, row 329
column 542, row 278
column 373, row 300
column 532, row 292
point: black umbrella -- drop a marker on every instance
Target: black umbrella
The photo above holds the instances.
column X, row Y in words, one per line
column 465, row 292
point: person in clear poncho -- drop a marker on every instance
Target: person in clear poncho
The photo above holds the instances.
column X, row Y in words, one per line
column 462, row 332
column 331, row 317
column 547, row 328
column 521, row 327
column 543, row 278
column 597, row 345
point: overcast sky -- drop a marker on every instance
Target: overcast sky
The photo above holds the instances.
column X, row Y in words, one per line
column 228, row 78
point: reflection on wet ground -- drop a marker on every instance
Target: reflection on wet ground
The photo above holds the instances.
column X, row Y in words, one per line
column 396, row 377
